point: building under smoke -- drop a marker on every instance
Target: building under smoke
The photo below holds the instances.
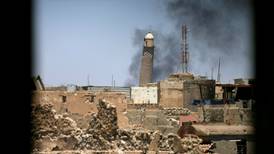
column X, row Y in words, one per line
column 147, row 60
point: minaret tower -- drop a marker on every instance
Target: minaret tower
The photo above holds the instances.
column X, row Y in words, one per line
column 147, row 60
column 185, row 53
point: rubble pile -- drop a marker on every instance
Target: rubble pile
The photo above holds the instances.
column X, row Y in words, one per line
column 133, row 140
column 58, row 132
column 48, row 126
column 171, row 142
column 191, row 143
column 103, row 133
column 176, row 111
column 45, row 121
column 104, row 122
column 188, row 144
column 92, row 142
column 102, row 129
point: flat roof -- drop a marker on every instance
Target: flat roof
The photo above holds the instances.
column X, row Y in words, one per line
column 235, row 85
column 223, row 129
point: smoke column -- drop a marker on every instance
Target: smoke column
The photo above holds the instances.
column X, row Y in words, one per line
column 166, row 54
column 217, row 28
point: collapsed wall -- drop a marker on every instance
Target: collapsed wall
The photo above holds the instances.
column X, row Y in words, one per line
column 79, row 105
column 52, row 131
column 166, row 120
column 229, row 114
column 234, row 115
column 209, row 113
column 56, row 132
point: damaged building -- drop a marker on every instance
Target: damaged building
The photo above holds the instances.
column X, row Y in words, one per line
column 183, row 113
column 178, row 90
column 144, row 95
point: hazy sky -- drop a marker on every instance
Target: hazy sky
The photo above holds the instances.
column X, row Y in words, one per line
column 77, row 38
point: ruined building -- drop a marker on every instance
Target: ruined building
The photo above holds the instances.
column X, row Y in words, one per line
column 147, row 60
column 183, row 113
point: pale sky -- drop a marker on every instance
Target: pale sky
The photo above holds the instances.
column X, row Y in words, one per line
column 77, row 38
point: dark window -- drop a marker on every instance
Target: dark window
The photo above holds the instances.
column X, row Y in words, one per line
column 245, row 104
column 64, row 99
column 92, row 98
column 241, row 147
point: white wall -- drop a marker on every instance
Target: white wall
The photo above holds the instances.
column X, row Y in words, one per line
column 144, row 95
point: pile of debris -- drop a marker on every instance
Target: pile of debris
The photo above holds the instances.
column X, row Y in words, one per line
column 188, row 144
column 49, row 128
column 176, row 111
column 103, row 133
column 102, row 129
column 58, row 133
column 133, row 140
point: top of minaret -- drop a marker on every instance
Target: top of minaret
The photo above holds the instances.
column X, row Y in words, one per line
column 149, row 36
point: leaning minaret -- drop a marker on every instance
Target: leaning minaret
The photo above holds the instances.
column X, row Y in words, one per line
column 147, row 60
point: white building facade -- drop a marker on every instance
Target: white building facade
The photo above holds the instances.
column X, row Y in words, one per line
column 144, row 95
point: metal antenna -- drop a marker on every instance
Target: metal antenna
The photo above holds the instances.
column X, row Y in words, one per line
column 184, row 50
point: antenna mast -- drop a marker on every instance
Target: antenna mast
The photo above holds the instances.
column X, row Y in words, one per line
column 112, row 80
column 88, row 79
column 184, row 50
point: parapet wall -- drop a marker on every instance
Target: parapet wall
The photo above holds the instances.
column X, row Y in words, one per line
column 153, row 120
column 197, row 89
column 171, row 93
column 181, row 93
column 229, row 114
column 211, row 114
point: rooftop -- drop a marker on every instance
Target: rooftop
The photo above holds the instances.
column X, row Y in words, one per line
column 223, row 129
column 181, row 76
column 188, row 118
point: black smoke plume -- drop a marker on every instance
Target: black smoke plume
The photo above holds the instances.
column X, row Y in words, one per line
column 166, row 54
column 217, row 28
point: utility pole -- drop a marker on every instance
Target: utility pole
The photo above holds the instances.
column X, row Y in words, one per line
column 219, row 73
column 88, row 80
column 112, row 80
column 212, row 69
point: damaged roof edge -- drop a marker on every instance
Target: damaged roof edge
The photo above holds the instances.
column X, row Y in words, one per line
column 38, row 83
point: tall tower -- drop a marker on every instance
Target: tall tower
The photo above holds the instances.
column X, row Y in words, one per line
column 184, row 50
column 147, row 60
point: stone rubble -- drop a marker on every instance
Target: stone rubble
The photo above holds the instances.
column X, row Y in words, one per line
column 175, row 111
column 102, row 129
column 49, row 126
column 62, row 133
